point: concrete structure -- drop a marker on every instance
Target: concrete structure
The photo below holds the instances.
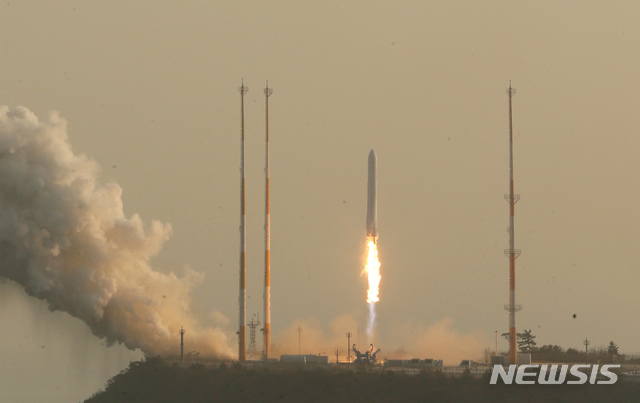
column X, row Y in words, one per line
column 413, row 363
column 305, row 359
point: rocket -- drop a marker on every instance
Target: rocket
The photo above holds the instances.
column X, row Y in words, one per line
column 372, row 215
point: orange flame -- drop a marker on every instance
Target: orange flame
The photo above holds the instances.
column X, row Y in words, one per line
column 372, row 270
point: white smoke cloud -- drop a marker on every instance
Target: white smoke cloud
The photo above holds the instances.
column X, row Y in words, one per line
column 441, row 340
column 313, row 339
column 64, row 237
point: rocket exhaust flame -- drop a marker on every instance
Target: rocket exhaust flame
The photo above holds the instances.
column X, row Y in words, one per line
column 372, row 271
column 372, row 266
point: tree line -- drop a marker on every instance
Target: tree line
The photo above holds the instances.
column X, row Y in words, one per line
column 155, row 380
column 554, row 353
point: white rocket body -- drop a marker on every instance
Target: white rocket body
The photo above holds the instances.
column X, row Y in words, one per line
column 372, row 214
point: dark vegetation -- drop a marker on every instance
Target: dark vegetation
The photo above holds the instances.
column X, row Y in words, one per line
column 153, row 380
column 554, row 353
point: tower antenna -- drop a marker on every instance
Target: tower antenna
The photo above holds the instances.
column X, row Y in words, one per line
column 242, row 351
column 252, row 335
column 512, row 253
column 181, row 344
column 267, row 235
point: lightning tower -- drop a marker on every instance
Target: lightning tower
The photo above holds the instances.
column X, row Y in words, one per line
column 267, row 235
column 512, row 253
column 252, row 335
column 242, row 298
column 181, row 343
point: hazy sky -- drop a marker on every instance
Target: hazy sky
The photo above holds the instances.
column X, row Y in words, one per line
column 149, row 90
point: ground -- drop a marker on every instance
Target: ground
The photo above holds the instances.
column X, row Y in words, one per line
column 154, row 380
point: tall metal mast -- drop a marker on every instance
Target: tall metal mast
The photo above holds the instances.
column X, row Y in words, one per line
column 512, row 253
column 181, row 344
column 252, row 335
column 267, row 235
column 242, row 298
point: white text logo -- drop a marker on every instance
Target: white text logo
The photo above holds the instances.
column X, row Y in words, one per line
column 554, row 374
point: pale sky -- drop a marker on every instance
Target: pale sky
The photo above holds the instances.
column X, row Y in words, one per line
column 149, row 90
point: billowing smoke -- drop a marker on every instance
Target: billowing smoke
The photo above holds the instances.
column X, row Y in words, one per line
column 440, row 340
column 64, row 237
column 314, row 339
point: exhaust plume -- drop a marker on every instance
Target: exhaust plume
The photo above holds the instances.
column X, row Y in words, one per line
column 372, row 271
column 313, row 338
column 65, row 239
column 372, row 265
column 440, row 340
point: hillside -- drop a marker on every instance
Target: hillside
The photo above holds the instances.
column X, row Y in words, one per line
column 155, row 381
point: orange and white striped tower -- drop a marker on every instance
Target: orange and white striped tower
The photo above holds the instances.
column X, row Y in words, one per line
column 512, row 253
column 267, row 235
column 242, row 299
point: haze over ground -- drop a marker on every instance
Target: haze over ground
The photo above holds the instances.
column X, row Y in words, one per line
column 150, row 92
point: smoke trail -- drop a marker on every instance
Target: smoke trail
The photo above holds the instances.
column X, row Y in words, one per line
column 372, row 319
column 441, row 340
column 64, row 237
